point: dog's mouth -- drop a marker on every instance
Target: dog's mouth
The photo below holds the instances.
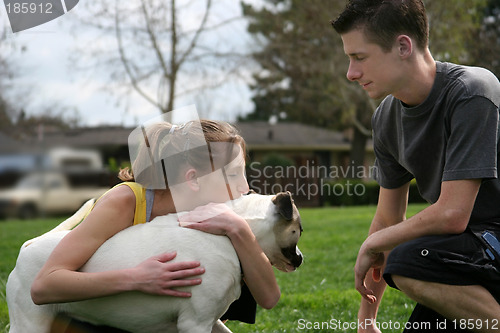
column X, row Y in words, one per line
column 285, row 266
column 289, row 267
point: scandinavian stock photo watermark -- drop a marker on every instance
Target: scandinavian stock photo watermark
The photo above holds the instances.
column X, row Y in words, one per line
column 310, row 180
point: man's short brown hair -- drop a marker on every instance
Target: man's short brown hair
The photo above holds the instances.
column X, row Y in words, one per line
column 383, row 20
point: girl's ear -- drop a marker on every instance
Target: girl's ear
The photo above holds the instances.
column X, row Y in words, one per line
column 191, row 179
column 405, row 45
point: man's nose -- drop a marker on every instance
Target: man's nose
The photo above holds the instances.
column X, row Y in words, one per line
column 353, row 72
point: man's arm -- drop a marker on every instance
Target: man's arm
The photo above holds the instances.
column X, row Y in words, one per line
column 449, row 215
column 391, row 209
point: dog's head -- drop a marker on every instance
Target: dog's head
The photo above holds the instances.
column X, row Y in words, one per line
column 276, row 223
column 287, row 230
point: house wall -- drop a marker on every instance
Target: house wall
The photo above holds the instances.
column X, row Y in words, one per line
column 308, row 171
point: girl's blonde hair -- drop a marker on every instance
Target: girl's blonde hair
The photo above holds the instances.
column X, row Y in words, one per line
column 174, row 146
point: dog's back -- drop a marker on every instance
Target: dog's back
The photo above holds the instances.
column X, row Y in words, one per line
column 220, row 287
column 25, row 316
column 128, row 248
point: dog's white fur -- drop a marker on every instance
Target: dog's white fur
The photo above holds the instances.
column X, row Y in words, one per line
column 139, row 312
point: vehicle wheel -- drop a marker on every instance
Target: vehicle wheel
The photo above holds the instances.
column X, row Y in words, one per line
column 28, row 211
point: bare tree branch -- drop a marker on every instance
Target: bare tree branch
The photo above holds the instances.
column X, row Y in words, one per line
column 160, row 47
column 125, row 62
column 198, row 32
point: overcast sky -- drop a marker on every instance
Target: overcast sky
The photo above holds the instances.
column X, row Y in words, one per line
column 48, row 77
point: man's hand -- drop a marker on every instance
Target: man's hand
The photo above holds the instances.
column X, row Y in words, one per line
column 367, row 259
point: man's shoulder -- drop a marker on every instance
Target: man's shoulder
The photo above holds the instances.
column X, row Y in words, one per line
column 387, row 107
column 473, row 81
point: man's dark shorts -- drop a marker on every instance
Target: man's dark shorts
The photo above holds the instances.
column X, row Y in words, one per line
column 448, row 259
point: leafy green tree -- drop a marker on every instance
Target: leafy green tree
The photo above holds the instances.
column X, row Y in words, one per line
column 485, row 47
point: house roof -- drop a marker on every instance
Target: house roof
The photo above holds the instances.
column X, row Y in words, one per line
column 9, row 145
column 258, row 136
column 89, row 137
column 262, row 135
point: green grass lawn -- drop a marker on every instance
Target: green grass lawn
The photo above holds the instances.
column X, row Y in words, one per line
column 320, row 293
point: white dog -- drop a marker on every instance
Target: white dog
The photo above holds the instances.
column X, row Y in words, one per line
column 273, row 219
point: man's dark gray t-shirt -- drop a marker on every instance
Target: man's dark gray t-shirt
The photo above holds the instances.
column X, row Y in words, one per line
column 452, row 135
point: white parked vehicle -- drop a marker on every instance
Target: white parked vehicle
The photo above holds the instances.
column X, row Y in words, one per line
column 57, row 181
column 42, row 193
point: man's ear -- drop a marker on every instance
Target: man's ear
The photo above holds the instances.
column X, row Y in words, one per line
column 191, row 179
column 405, row 46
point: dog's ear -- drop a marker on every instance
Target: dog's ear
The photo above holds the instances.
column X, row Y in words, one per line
column 284, row 204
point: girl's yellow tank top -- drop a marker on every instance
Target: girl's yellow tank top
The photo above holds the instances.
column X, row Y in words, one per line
column 140, row 201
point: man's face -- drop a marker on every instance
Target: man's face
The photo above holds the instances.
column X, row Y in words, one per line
column 374, row 69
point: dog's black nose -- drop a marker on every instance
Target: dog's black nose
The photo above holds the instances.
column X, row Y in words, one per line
column 293, row 254
column 297, row 260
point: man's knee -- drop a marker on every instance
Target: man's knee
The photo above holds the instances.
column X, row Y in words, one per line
column 415, row 289
column 429, row 294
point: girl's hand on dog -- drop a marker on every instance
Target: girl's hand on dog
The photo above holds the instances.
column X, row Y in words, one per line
column 214, row 218
column 157, row 275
